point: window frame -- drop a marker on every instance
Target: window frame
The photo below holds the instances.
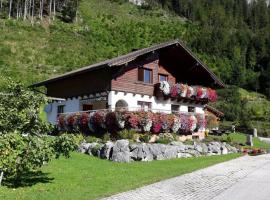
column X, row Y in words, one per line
column 191, row 108
column 165, row 75
column 142, row 105
column 141, row 75
column 175, row 111
column 62, row 108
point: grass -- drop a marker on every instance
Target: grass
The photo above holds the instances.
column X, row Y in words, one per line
column 84, row 177
column 240, row 138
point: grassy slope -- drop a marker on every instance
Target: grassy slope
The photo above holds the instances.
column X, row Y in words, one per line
column 106, row 29
column 85, row 177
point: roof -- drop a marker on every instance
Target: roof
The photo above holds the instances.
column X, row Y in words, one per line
column 128, row 58
column 214, row 111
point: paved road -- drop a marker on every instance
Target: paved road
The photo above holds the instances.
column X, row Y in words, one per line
column 245, row 178
column 267, row 140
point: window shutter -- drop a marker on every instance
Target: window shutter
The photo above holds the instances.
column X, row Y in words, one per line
column 140, row 74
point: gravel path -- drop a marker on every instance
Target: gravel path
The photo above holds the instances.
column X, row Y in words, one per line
column 227, row 180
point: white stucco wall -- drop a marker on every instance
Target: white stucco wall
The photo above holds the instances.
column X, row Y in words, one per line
column 71, row 105
column 157, row 105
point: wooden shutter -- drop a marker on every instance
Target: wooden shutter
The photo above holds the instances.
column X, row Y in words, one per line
column 140, row 74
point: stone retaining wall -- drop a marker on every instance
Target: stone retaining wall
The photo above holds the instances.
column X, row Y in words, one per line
column 124, row 151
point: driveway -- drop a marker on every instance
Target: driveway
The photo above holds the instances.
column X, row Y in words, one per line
column 245, row 178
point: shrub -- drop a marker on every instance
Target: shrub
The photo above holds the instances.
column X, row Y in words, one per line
column 91, row 139
column 163, row 140
column 145, row 138
column 127, row 134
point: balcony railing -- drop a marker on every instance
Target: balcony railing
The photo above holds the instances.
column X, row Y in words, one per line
column 183, row 92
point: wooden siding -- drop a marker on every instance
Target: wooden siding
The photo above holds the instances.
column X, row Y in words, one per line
column 83, row 84
column 127, row 80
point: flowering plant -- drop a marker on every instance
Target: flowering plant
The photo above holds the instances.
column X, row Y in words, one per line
column 212, row 95
column 176, row 124
column 99, row 119
column 132, row 119
column 84, row 119
column 183, row 90
column 145, row 121
column 201, row 121
column 190, row 91
column 61, row 122
column 120, row 119
column 165, row 87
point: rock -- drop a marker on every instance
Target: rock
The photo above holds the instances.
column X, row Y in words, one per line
column 184, row 155
column 224, row 150
column 180, row 146
column 153, row 139
column 107, row 150
column 249, row 140
column 214, row 147
column 157, row 151
column 121, row 151
column 170, row 152
column 83, row 148
column 94, row 149
column 193, row 152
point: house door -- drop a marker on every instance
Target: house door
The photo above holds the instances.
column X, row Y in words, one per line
column 87, row 107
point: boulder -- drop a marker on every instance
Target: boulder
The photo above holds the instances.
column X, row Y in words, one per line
column 107, row 150
column 224, row 150
column 157, row 151
column 184, row 155
column 214, row 147
column 94, row 149
column 180, row 146
column 83, row 148
column 170, row 152
column 121, row 151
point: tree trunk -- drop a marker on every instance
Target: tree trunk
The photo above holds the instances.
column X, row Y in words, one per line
column 25, row 10
column 33, row 11
column 1, row 177
column 10, row 8
column 50, row 11
column 54, row 9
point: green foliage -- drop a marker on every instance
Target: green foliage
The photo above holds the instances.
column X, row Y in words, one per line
column 163, row 140
column 19, row 110
column 91, row 139
column 64, row 144
column 127, row 134
column 24, row 144
column 145, row 138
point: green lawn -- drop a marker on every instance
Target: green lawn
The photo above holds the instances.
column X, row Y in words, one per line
column 240, row 138
column 85, row 177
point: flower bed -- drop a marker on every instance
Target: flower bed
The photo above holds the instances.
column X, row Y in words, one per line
column 140, row 121
column 186, row 91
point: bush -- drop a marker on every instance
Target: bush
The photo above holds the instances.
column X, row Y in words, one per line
column 163, row 140
column 127, row 134
column 91, row 139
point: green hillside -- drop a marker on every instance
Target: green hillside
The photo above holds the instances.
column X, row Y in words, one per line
column 104, row 30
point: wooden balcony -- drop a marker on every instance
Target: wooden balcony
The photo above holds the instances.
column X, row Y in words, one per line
column 193, row 99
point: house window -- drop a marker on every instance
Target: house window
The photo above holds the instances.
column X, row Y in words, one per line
column 145, row 75
column 60, row 109
column 162, row 77
column 144, row 105
column 175, row 108
column 87, row 107
column 191, row 109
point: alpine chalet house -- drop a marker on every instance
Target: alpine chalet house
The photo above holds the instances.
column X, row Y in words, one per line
column 165, row 78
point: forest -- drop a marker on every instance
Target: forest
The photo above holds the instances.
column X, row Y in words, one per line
column 233, row 34
column 33, row 9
